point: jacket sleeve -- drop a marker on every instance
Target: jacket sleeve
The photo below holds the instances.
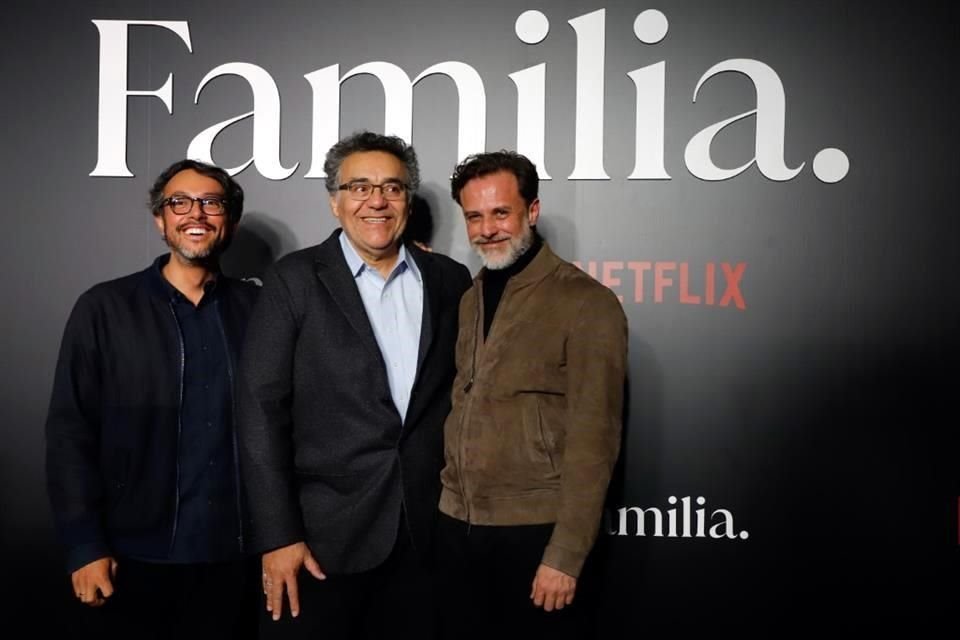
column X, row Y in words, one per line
column 74, row 484
column 265, row 421
column 596, row 363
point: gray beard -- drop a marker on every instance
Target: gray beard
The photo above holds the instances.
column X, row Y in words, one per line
column 517, row 246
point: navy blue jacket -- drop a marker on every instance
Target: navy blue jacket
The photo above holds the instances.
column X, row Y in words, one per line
column 114, row 422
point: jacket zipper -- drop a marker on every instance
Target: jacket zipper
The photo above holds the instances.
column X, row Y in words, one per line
column 468, row 401
column 176, row 499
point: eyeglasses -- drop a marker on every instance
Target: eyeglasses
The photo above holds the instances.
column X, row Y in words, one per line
column 210, row 205
column 362, row 190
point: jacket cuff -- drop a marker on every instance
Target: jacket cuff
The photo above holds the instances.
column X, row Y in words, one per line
column 569, row 562
column 84, row 554
column 259, row 541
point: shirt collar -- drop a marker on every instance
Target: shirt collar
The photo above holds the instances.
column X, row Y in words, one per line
column 209, row 288
column 357, row 266
column 171, row 292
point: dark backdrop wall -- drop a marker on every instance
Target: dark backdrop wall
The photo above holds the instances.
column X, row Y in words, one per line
column 789, row 276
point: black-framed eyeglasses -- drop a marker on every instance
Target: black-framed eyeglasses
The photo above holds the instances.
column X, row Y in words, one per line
column 210, row 205
column 362, row 190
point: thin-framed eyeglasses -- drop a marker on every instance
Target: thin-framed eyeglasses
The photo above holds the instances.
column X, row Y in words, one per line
column 362, row 189
column 210, row 205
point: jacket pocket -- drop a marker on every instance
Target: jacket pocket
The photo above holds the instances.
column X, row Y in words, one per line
column 538, row 443
column 328, row 502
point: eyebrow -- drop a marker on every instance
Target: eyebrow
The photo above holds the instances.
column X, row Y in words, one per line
column 495, row 209
column 363, row 179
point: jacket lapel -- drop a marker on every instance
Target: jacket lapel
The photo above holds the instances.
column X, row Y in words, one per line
column 431, row 305
column 428, row 323
column 335, row 276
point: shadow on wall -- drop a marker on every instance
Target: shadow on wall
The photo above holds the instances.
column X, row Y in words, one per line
column 445, row 232
column 636, row 476
column 643, row 429
column 259, row 241
column 420, row 225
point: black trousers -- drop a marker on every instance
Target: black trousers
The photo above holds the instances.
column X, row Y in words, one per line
column 152, row 601
column 486, row 576
column 394, row 600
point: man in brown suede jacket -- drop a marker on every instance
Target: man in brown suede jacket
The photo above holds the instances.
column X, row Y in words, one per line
column 534, row 431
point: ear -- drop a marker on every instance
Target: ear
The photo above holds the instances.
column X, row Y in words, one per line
column 334, row 206
column 534, row 212
column 158, row 220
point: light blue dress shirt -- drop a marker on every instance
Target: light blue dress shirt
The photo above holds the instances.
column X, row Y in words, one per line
column 395, row 308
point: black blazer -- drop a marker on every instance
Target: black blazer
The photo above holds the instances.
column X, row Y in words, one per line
column 324, row 455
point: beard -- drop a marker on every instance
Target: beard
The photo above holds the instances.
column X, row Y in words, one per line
column 194, row 254
column 507, row 253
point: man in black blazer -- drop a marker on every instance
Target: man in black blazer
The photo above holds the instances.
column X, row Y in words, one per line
column 347, row 370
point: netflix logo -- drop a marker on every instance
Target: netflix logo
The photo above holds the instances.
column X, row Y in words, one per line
column 716, row 284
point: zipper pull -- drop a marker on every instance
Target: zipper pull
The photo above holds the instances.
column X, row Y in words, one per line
column 468, row 386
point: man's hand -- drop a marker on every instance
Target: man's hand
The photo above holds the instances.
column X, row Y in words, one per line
column 552, row 589
column 280, row 569
column 93, row 582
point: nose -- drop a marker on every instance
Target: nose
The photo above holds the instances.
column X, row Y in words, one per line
column 376, row 199
column 488, row 227
column 195, row 215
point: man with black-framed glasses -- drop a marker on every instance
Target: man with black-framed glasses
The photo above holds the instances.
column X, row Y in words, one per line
column 141, row 446
column 348, row 364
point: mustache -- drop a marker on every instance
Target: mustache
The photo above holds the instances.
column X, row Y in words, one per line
column 497, row 238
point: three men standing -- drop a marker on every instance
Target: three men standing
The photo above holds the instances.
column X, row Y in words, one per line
column 342, row 402
column 141, row 453
column 347, row 372
column 534, row 432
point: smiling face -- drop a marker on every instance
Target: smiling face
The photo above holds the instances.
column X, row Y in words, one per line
column 194, row 236
column 373, row 226
column 499, row 221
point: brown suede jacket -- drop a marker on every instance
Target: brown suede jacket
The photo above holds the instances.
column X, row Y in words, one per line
column 537, row 407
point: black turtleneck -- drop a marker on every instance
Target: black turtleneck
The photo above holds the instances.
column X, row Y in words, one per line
column 495, row 281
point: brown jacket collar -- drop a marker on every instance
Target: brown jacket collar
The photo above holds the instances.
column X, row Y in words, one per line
column 543, row 264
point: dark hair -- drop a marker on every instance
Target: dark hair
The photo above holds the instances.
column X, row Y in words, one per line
column 483, row 164
column 232, row 192
column 368, row 141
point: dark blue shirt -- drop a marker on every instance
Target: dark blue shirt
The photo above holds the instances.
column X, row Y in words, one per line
column 208, row 521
